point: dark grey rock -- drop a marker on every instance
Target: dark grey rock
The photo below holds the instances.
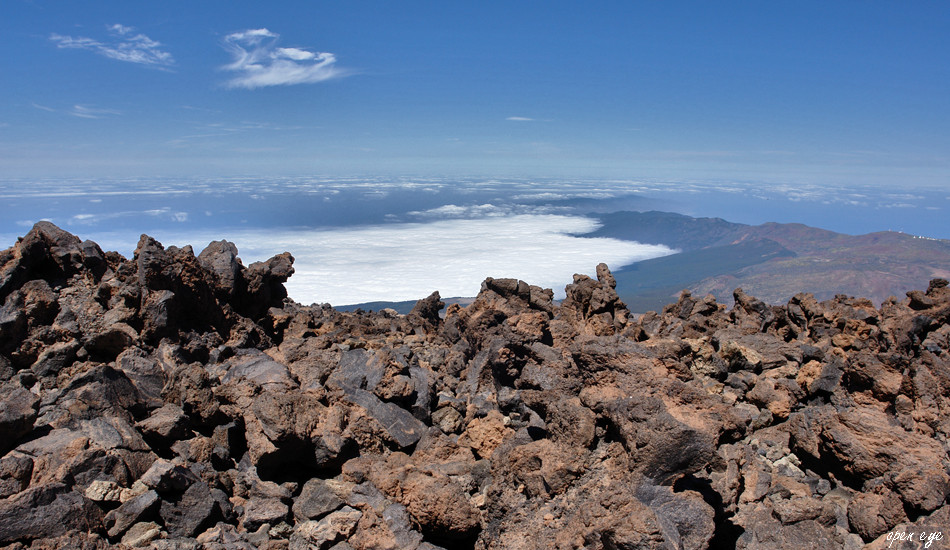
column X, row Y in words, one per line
column 180, row 543
column 186, row 516
column 55, row 358
column 112, row 433
column 165, row 477
column 668, row 447
column 265, row 285
column 100, row 391
column 111, row 340
column 145, row 373
column 225, row 437
column 258, row 511
column 322, row 534
column 366, row 494
column 18, row 411
column 166, row 424
column 315, row 501
column 141, row 534
column 45, row 252
column 130, row 512
column 49, row 510
column 225, row 508
column 423, row 382
column 397, row 519
column 93, row 259
column 404, row 428
column 159, row 309
column 828, row 380
column 256, row 366
column 427, row 309
column 226, row 537
column 6, row 369
column 686, row 521
column 15, row 472
column 221, row 258
column 358, row 369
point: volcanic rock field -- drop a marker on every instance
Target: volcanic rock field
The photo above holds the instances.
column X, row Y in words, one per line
column 183, row 401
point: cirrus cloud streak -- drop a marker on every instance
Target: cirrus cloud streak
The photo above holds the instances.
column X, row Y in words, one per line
column 258, row 62
column 124, row 44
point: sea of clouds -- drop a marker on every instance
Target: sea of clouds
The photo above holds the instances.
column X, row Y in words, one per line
column 359, row 239
column 408, row 261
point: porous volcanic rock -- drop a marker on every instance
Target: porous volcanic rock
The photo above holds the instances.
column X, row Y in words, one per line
column 181, row 401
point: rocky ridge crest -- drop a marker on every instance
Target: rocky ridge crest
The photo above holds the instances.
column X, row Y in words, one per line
column 178, row 401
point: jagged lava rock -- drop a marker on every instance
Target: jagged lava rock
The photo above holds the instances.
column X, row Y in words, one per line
column 184, row 401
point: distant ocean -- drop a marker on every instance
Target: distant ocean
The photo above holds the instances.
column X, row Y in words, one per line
column 373, row 239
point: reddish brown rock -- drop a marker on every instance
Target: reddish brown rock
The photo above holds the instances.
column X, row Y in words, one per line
column 182, row 401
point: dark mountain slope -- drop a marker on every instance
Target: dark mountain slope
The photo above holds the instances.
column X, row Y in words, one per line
column 674, row 230
column 718, row 256
column 648, row 285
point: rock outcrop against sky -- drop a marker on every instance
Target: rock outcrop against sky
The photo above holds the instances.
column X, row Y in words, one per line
column 177, row 400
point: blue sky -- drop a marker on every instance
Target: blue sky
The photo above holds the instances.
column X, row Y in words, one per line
column 835, row 92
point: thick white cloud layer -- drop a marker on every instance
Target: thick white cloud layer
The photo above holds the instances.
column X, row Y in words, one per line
column 409, row 261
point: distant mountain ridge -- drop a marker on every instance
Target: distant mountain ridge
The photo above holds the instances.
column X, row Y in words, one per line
column 674, row 230
column 773, row 261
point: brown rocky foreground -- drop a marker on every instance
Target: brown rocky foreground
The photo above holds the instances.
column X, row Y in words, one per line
column 177, row 401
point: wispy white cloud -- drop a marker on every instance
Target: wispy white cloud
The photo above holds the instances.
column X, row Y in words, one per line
column 456, row 211
column 251, row 125
column 83, row 111
column 567, row 195
column 123, row 44
column 165, row 214
column 214, row 130
column 520, row 119
column 200, row 109
column 190, row 139
column 255, row 150
column 487, row 210
column 258, row 62
column 904, row 196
